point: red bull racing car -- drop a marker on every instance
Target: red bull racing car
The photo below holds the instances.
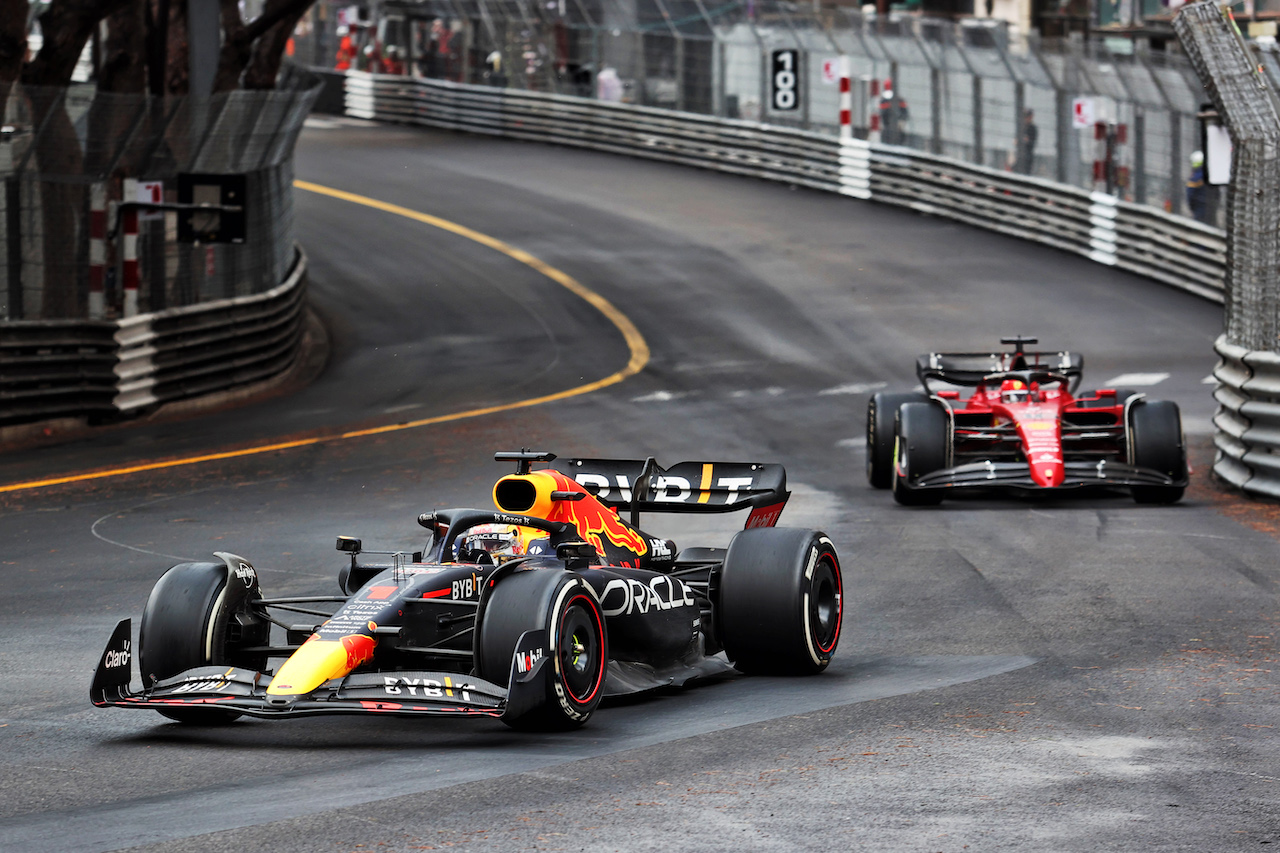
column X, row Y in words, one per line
column 1024, row 427
column 530, row 614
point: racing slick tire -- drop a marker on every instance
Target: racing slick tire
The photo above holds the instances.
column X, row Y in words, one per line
column 189, row 621
column 1156, row 442
column 563, row 604
column 920, row 447
column 882, row 409
column 779, row 603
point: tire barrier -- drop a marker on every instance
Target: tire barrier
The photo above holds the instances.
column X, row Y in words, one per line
column 1137, row 238
column 109, row 369
column 1248, row 418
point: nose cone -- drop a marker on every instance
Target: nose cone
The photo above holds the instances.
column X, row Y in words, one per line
column 1047, row 472
column 318, row 661
column 1041, row 436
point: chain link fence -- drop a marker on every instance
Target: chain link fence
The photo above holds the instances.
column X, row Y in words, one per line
column 1102, row 116
column 1241, row 83
column 115, row 205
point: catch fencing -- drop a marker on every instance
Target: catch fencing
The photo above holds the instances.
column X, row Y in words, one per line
column 144, row 246
column 1246, row 97
column 1102, row 116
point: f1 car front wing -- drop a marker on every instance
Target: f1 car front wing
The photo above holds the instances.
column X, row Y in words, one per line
column 244, row 691
column 1014, row 475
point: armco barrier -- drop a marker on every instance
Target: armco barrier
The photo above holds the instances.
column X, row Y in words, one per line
column 56, row 368
column 103, row 369
column 1137, row 238
column 186, row 352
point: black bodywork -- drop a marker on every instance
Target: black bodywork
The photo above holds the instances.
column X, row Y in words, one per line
column 413, row 625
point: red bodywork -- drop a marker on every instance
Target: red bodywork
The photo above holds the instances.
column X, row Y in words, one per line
column 1028, row 425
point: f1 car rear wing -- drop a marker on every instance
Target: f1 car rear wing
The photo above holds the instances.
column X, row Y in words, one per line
column 970, row 368
column 644, row 485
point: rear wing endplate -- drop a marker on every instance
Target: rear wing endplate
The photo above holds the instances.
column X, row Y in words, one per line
column 645, row 486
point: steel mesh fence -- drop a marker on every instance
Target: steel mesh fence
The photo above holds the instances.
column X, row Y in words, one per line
column 74, row 161
column 1240, row 89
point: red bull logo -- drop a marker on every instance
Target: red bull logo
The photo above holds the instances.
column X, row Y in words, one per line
column 318, row 660
column 359, row 648
column 593, row 519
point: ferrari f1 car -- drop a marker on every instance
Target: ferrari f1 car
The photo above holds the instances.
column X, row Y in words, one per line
column 1024, row 427
column 531, row 613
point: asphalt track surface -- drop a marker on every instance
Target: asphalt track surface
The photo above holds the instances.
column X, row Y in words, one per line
column 1077, row 674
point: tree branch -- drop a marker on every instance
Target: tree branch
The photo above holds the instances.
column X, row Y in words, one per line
column 66, row 26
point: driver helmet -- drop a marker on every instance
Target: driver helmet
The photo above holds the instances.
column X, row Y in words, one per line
column 497, row 543
column 1013, row 391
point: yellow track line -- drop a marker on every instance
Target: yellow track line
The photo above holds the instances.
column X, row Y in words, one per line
column 635, row 343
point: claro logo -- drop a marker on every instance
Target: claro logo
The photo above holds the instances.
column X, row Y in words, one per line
column 116, row 658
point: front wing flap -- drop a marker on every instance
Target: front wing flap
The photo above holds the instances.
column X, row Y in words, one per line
column 1014, row 475
column 244, row 691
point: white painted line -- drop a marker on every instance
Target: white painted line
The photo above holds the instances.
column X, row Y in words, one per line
column 853, row 388
column 659, row 397
column 859, row 443
column 1126, row 379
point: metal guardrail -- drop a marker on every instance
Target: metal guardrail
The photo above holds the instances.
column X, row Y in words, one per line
column 1137, row 238
column 186, row 352
column 56, row 368
column 106, row 369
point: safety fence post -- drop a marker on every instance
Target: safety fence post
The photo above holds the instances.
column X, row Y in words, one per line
column 13, row 241
column 97, row 249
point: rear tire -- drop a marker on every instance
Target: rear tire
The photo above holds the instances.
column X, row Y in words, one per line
column 920, row 447
column 187, row 624
column 780, row 602
column 882, row 409
column 565, row 605
column 1156, row 442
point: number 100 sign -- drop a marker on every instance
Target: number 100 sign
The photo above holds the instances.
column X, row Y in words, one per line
column 786, row 79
